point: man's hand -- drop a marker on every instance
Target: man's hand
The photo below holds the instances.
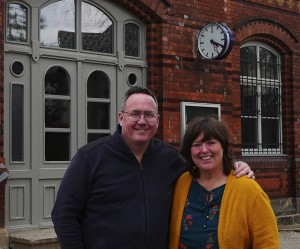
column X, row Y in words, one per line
column 242, row 169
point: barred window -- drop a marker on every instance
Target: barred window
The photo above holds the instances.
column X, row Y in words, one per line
column 261, row 100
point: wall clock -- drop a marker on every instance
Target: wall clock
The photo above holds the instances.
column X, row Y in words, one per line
column 215, row 41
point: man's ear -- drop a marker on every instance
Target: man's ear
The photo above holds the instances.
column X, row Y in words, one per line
column 120, row 117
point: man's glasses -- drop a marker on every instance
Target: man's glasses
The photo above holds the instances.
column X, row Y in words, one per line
column 134, row 116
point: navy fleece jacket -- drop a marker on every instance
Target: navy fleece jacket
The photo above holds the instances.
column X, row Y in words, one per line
column 107, row 200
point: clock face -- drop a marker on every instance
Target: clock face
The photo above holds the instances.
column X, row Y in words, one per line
column 215, row 41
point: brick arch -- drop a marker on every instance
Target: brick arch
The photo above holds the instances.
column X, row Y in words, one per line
column 286, row 44
column 268, row 31
column 150, row 11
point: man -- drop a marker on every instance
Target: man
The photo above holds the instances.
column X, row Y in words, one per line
column 117, row 191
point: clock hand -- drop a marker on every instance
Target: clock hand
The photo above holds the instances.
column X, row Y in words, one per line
column 216, row 43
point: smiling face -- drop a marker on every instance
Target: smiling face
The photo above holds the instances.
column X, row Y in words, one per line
column 207, row 155
column 138, row 133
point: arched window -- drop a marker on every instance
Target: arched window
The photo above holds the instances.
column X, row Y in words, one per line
column 98, row 106
column 261, row 100
column 57, row 115
column 58, row 27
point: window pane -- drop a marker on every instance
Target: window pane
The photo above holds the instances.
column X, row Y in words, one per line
column 194, row 111
column 268, row 64
column 270, row 102
column 57, row 113
column 95, row 136
column 270, row 133
column 98, row 115
column 17, row 23
column 249, row 61
column 132, row 39
column 57, row 81
column 249, row 100
column 17, row 123
column 57, row 146
column 98, row 85
column 249, row 133
column 57, row 25
column 97, row 30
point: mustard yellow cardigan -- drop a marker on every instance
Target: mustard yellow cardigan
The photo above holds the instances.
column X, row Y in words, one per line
column 246, row 217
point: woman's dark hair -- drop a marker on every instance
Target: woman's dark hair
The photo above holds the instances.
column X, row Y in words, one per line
column 211, row 127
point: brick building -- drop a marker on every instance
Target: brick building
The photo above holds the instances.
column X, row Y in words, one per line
column 255, row 89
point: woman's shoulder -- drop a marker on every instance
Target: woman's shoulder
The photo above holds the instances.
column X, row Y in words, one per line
column 186, row 176
column 243, row 184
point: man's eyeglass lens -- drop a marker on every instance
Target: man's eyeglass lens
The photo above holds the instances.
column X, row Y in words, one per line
column 134, row 116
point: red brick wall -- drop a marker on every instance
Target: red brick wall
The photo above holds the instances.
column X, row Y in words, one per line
column 2, row 185
column 178, row 73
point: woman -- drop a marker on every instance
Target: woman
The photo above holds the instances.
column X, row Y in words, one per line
column 211, row 208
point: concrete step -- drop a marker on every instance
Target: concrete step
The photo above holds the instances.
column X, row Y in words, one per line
column 34, row 239
column 290, row 219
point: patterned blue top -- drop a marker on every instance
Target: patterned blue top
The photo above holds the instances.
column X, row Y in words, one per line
column 200, row 218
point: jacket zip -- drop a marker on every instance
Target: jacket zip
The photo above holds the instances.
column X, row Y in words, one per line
column 145, row 206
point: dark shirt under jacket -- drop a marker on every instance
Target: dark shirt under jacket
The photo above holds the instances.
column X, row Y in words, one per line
column 107, row 200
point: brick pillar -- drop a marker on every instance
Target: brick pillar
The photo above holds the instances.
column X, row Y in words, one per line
column 297, row 183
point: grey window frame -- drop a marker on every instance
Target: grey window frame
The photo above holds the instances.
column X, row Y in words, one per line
column 210, row 107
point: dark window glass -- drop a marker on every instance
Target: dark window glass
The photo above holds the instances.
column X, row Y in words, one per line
column 57, row 81
column 270, row 133
column 57, row 114
column 249, row 61
column 96, row 30
column 57, row 146
column 249, row 133
column 194, row 111
column 268, row 64
column 17, row 23
column 98, row 115
column 132, row 79
column 57, row 25
column 17, row 68
column 270, row 102
column 98, row 105
column 249, row 100
column 95, row 136
column 17, row 121
column 98, row 85
column 132, row 39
